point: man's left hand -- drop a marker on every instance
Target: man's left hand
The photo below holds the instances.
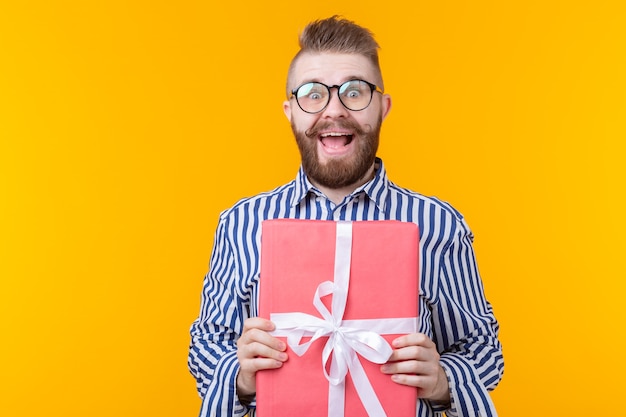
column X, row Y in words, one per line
column 415, row 362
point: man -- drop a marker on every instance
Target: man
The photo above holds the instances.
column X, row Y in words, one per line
column 336, row 105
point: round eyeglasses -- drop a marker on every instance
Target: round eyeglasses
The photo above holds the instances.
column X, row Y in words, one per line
column 355, row 95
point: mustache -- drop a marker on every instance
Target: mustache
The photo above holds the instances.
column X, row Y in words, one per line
column 314, row 131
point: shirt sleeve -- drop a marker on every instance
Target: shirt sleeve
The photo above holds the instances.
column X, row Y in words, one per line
column 212, row 356
column 466, row 330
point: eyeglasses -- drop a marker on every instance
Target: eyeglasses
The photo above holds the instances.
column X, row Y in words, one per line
column 355, row 95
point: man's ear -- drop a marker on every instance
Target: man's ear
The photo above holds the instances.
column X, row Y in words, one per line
column 287, row 109
column 386, row 105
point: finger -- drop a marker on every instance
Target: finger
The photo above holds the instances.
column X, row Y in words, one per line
column 257, row 349
column 420, row 353
column 256, row 330
column 411, row 367
column 262, row 337
column 252, row 365
column 258, row 323
column 412, row 339
column 425, row 383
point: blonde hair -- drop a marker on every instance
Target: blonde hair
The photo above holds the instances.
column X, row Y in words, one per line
column 337, row 35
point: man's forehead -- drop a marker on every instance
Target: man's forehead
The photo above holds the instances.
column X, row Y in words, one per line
column 331, row 67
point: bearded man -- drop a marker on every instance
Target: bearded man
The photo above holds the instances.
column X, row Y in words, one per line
column 336, row 105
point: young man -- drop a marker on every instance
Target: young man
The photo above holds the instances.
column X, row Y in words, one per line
column 336, row 105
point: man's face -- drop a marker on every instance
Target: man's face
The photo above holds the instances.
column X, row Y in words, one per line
column 338, row 146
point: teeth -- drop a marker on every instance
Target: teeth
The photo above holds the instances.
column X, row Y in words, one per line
column 333, row 134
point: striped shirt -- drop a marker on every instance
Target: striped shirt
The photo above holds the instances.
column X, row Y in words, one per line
column 453, row 310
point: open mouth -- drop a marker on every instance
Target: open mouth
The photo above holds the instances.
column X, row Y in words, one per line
column 335, row 140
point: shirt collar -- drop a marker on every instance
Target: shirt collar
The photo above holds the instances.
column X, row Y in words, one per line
column 376, row 189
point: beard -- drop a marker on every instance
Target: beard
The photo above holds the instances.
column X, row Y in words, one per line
column 340, row 172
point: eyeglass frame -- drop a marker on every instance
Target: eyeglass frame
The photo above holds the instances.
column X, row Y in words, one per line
column 373, row 88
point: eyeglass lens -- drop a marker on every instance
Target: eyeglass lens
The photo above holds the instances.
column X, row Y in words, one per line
column 313, row 97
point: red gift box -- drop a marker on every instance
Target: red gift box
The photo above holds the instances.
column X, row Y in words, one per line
column 348, row 284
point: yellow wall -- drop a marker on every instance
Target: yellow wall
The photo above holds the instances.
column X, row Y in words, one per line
column 127, row 126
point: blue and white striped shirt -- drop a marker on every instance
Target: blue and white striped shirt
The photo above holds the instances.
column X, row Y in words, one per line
column 453, row 310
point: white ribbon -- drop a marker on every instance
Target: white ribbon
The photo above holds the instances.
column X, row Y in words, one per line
column 346, row 338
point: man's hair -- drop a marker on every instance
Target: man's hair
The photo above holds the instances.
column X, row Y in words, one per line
column 337, row 35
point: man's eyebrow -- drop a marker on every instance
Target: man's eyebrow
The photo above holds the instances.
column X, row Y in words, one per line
column 346, row 79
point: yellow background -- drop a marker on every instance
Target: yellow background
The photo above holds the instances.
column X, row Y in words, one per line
column 126, row 127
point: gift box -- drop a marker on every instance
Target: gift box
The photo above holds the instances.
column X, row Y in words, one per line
column 339, row 293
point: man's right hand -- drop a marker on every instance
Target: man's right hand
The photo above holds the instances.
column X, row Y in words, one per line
column 257, row 350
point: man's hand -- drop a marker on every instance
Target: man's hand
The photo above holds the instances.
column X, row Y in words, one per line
column 415, row 362
column 257, row 350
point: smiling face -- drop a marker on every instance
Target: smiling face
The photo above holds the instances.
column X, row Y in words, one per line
column 338, row 146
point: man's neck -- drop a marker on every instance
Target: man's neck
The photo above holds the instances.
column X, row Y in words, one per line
column 337, row 195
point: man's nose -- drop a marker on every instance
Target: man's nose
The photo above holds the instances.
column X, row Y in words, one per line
column 335, row 107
